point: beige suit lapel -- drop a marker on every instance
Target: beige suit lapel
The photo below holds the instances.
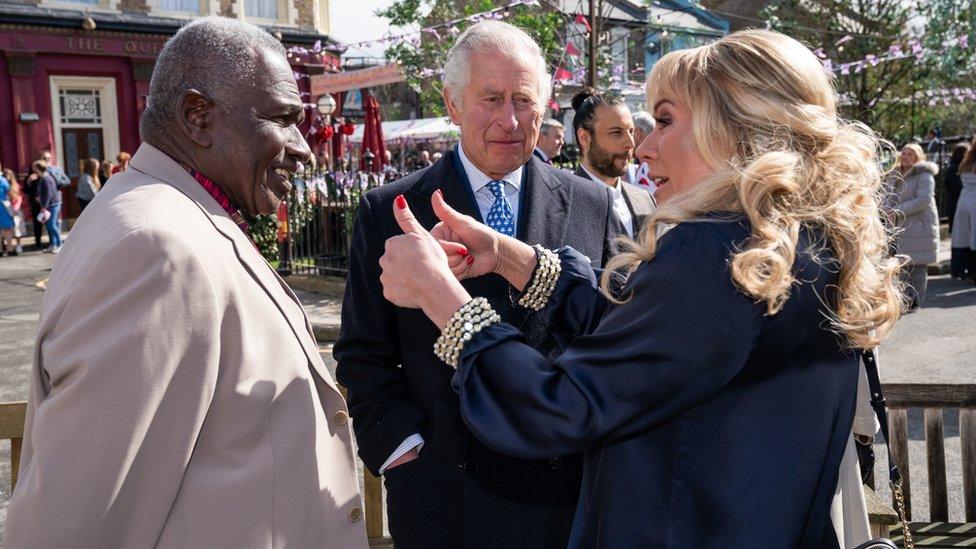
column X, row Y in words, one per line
column 153, row 162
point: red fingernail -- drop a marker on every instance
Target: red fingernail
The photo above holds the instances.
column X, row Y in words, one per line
column 470, row 259
column 401, row 202
column 462, row 252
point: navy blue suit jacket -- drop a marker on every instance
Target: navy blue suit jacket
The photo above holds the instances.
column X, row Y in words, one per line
column 704, row 422
column 458, row 493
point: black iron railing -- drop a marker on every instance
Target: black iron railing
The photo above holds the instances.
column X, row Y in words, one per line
column 318, row 226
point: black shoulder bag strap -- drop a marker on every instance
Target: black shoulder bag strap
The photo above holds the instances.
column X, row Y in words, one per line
column 870, row 360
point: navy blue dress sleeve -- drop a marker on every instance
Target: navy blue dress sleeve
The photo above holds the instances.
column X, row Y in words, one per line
column 683, row 335
column 576, row 305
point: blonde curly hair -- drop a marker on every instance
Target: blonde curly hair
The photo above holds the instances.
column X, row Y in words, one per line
column 763, row 113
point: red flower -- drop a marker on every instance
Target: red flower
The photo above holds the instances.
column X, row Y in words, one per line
column 348, row 128
column 326, row 133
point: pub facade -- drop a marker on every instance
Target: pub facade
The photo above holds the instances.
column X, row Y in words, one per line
column 74, row 75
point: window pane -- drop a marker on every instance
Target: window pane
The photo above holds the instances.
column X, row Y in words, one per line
column 71, row 153
column 191, row 6
column 80, row 107
column 95, row 144
column 264, row 9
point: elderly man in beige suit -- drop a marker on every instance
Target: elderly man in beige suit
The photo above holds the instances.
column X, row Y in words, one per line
column 177, row 395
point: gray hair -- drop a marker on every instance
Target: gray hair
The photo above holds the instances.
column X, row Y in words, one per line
column 551, row 124
column 489, row 37
column 214, row 55
column 644, row 121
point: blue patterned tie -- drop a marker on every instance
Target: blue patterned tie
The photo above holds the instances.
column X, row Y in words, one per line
column 500, row 215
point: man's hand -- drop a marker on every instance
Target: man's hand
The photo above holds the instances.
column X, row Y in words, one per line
column 411, row 455
column 480, row 240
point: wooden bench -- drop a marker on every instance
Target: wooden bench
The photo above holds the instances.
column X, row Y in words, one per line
column 932, row 399
column 13, row 416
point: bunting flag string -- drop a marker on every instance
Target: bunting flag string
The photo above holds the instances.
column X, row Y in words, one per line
column 913, row 49
column 946, row 96
column 450, row 28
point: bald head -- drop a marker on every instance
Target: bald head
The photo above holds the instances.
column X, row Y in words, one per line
column 217, row 56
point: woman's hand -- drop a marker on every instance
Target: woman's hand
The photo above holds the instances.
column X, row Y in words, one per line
column 487, row 250
column 416, row 273
column 480, row 241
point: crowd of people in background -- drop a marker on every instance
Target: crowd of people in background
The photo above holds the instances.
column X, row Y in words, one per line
column 606, row 135
column 39, row 198
column 961, row 187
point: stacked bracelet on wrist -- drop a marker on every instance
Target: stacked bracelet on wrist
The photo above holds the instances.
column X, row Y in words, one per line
column 470, row 319
column 544, row 278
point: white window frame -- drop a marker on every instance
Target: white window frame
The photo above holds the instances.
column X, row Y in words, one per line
column 287, row 14
column 101, row 6
column 205, row 7
column 109, row 109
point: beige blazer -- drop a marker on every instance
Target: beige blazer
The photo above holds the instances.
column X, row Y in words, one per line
column 177, row 395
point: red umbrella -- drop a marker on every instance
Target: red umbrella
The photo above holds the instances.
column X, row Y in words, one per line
column 373, row 136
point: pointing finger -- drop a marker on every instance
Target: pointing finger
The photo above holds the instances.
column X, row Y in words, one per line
column 455, row 249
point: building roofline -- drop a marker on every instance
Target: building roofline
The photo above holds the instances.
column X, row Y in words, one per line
column 137, row 23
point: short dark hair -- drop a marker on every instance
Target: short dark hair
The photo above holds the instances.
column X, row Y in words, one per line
column 585, row 104
column 187, row 62
column 958, row 152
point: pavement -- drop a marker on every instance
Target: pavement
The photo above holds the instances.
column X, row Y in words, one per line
column 934, row 345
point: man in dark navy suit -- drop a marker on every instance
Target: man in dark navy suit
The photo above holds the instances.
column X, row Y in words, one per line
column 444, row 488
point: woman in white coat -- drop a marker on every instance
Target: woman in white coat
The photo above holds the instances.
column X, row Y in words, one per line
column 912, row 211
column 964, row 223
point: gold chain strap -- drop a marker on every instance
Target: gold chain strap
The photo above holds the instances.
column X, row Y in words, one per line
column 902, row 515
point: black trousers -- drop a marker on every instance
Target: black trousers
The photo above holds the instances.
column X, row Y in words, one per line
column 963, row 263
column 35, row 209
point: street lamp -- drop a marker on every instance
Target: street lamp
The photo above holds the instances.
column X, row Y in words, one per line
column 326, row 105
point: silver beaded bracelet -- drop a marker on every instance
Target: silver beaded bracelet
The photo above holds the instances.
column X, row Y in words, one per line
column 470, row 319
column 543, row 282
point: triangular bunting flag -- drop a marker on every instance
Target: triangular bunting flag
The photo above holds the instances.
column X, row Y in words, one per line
column 571, row 49
column 580, row 20
column 562, row 75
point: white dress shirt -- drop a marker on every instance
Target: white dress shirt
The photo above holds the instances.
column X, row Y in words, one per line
column 619, row 202
column 482, row 194
column 479, row 185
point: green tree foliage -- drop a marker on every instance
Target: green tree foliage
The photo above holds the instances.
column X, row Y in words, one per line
column 890, row 96
column 421, row 59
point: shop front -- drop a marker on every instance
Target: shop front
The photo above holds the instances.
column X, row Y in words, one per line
column 78, row 88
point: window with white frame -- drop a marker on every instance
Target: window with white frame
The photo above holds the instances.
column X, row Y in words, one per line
column 186, row 6
column 261, row 9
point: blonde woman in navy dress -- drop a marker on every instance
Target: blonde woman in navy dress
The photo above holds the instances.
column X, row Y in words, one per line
column 713, row 390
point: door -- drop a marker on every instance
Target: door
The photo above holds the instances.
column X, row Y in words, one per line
column 79, row 145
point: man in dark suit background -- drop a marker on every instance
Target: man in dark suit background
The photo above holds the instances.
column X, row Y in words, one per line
column 444, row 488
column 550, row 142
column 604, row 130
